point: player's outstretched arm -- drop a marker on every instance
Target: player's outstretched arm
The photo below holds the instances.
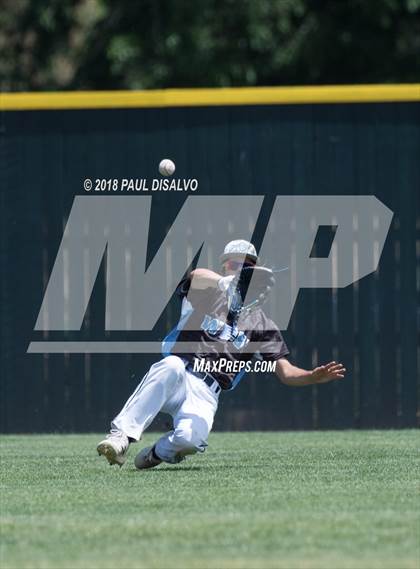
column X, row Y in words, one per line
column 205, row 278
column 295, row 376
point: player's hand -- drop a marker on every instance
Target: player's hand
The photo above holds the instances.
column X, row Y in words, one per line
column 328, row 372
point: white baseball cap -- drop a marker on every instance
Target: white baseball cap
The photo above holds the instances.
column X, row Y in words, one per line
column 239, row 247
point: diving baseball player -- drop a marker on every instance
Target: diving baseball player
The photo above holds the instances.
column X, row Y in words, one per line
column 222, row 318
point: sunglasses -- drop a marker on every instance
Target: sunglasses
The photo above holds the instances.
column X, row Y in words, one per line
column 232, row 265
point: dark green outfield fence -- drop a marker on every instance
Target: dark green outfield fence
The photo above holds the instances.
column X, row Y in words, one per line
column 336, row 149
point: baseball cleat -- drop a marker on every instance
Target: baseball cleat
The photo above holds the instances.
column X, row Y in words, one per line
column 114, row 448
column 146, row 458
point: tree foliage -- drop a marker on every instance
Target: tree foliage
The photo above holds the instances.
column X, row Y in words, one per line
column 143, row 44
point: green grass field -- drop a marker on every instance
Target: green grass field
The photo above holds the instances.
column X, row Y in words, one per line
column 278, row 500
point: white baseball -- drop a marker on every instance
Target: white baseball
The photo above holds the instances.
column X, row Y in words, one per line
column 166, row 167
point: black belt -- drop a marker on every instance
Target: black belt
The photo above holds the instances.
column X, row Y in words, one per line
column 206, row 377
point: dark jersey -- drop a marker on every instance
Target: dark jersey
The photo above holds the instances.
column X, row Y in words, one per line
column 204, row 327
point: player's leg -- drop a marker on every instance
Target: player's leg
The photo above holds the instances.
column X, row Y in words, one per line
column 193, row 421
column 163, row 383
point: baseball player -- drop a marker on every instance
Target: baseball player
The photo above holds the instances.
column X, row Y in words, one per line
column 221, row 325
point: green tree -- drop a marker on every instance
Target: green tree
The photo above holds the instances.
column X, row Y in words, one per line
column 99, row 44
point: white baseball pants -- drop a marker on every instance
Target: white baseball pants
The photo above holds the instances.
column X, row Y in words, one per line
column 168, row 387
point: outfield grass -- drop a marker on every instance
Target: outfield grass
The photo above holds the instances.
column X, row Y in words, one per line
column 277, row 500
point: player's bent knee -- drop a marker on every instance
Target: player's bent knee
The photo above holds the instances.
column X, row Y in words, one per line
column 189, row 441
column 175, row 369
column 175, row 364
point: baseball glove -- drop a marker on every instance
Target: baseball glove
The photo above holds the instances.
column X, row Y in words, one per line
column 252, row 286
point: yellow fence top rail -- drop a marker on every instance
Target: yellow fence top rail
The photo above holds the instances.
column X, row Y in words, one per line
column 209, row 97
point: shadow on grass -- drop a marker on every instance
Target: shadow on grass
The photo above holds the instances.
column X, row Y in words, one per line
column 176, row 468
column 206, row 468
column 169, row 469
